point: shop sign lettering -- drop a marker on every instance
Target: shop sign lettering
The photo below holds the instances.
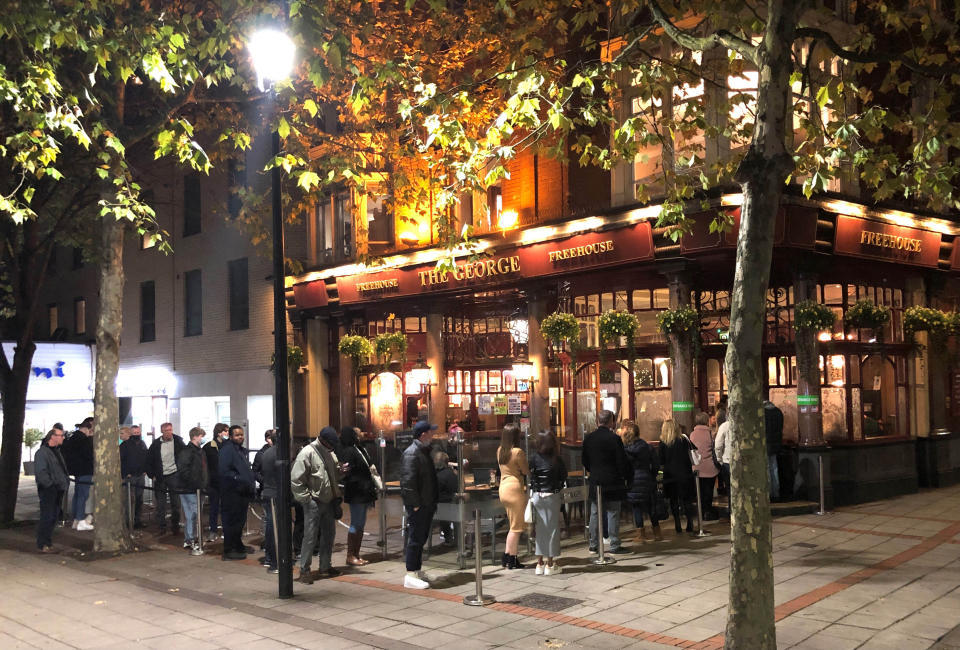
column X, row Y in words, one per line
column 378, row 285
column 49, row 373
column 586, row 250
column 472, row 271
column 895, row 242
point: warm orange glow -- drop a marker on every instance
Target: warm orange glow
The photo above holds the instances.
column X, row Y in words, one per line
column 508, row 219
column 409, row 237
column 824, row 336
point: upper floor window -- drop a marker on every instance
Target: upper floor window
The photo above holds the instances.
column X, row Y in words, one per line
column 192, row 303
column 53, row 318
column 192, row 205
column 148, row 312
column 80, row 315
column 239, row 298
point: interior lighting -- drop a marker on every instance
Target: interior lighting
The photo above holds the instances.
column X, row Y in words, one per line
column 421, row 372
column 409, row 237
column 824, row 336
column 523, row 371
column 508, row 219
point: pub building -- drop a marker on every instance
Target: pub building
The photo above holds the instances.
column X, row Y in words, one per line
column 886, row 406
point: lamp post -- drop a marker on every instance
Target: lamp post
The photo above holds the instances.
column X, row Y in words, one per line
column 272, row 52
column 421, row 376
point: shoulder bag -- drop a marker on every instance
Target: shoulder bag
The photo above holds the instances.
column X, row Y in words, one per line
column 374, row 474
column 695, row 457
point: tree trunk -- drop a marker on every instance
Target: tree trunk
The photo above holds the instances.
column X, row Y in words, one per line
column 110, row 534
column 762, row 174
column 14, row 382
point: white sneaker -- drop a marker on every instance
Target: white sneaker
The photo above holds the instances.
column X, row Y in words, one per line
column 74, row 524
column 83, row 525
column 89, row 519
column 606, row 542
column 411, row 581
column 552, row 569
column 540, row 569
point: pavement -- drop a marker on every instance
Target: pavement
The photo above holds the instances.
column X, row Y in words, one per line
column 882, row 576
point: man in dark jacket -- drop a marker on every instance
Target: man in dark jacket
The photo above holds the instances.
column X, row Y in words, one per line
column 133, row 467
column 191, row 479
column 237, row 488
column 773, row 428
column 212, row 451
column 606, row 460
column 78, row 454
column 50, row 472
column 270, row 477
column 162, row 468
column 258, row 460
column 418, row 488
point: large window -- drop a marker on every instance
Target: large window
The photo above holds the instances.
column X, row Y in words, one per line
column 192, row 303
column 53, row 318
column 644, row 303
column 148, row 312
column 192, row 205
column 80, row 315
column 239, row 296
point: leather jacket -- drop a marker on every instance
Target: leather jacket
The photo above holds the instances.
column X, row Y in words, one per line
column 547, row 475
column 418, row 478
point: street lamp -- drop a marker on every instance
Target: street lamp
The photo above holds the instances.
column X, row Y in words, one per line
column 272, row 52
column 420, row 373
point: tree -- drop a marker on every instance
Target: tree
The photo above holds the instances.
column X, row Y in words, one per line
column 90, row 93
column 717, row 94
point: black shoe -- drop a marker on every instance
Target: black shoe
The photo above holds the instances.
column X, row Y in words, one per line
column 234, row 555
column 272, row 569
column 592, row 549
column 249, row 549
column 514, row 563
column 263, row 560
column 505, row 560
column 333, row 572
column 620, row 550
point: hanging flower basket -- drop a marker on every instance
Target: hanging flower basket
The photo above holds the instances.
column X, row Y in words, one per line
column 294, row 359
column 561, row 328
column 866, row 315
column 615, row 325
column 682, row 321
column 386, row 346
column 357, row 348
column 811, row 315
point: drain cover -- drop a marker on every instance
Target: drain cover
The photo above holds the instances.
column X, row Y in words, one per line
column 544, row 601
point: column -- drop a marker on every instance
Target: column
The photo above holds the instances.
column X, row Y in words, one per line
column 681, row 354
column 918, row 371
column 809, row 413
column 347, row 402
column 438, row 379
column 316, row 349
column 537, row 354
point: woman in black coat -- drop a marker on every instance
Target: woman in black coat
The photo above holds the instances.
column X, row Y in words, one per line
column 677, row 472
column 359, row 491
column 643, row 487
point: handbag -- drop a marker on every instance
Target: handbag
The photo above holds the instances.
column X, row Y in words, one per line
column 660, row 509
column 528, row 512
column 695, row 456
column 374, row 474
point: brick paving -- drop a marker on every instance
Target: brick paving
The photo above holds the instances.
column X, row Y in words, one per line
column 884, row 575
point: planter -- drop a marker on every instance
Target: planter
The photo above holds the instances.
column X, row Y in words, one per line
column 28, row 467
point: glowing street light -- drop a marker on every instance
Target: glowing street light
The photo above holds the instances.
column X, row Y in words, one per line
column 272, row 52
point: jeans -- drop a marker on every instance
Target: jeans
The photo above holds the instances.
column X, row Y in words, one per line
column 419, row 524
column 234, row 513
column 298, row 519
column 269, row 545
column 611, row 511
column 191, row 525
column 214, row 493
column 160, row 487
column 50, row 500
column 725, row 473
column 358, row 516
column 774, row 476
column 319, row 528
column 81, row 492
column 136, row 487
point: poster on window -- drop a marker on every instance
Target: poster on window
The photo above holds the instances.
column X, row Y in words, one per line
column 484, row 404
column 500, row 405
column 513, row 405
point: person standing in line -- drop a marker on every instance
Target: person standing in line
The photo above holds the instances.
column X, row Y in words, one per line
column 419, row 491
column 162, row 468
column 269, row 437
column 724, row 448
column 212, row 451
column 192, row 477
column 720, row 416
column 643, row 487
column 513, row 494
column 706, row 469
column 50, row 473
column 359, row 491
column 448, row 484
column 133, row 466
column 773, row 428
column 677, row 466
column 237, row 488
column 270, row 474
column 548, row 474
column 78, row 454
column 606, row 460
column 314, row 480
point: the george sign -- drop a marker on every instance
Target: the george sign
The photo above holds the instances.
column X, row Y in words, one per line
column 888, row 242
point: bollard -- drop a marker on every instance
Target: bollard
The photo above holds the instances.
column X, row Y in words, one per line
column 823, row 500
column 461, row 507
column 382, row 445
column 198, row 529
column 273, row 520
column 602, row 559
column 130, row 505
column 696, row 480
column 478, row 600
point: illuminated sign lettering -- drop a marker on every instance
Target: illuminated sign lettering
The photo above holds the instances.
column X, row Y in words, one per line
column 894, row 242
column 378, row 285
column 581, row 251
column 471, row 271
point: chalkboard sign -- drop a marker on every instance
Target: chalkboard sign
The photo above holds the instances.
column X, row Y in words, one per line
column 403, row 439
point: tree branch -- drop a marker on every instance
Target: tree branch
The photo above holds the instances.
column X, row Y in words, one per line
column 877, row 57
column 702, row 43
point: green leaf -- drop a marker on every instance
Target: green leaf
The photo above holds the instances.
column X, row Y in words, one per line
column 283, row 128
column 310, row 106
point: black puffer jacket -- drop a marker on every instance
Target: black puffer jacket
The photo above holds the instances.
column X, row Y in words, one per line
column 607, row 462
column 133, row 457
column 191, row 469
column 547, row 475
column 78, row 454
column 646, row 464
column 418, row 479
column 358, row 486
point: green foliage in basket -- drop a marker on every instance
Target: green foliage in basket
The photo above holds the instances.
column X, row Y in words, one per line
column 940, row 324
column 614, row 324
column 357, row 348
column 679, row 321
column 810, row 314
column 866, row 315
column 386, row 346
column 559, row 328
column 294, row 359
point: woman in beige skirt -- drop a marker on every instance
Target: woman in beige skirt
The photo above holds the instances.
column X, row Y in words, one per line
column 513, row 493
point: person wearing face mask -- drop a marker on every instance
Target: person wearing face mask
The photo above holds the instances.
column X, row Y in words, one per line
column 212, row 452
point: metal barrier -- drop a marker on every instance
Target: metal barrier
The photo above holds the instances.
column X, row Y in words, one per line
column 823, row 500
column 478, row 599
column 700, row 532
column 382, row 504
column 601, row 559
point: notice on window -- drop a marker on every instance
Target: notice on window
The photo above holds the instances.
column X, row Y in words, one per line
column 484, row 404
column 513, row 405
column 500, row 405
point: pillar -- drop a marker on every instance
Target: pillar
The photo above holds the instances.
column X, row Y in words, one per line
column 918, row 371
column 809, row 411
column 347, row 401
column 438, row 378
column 317, row 390
column 537, row 354
column 681, row 354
